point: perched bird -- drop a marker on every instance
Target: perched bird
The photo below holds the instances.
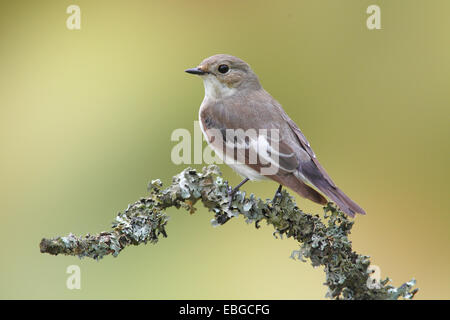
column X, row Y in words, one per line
column 236, row 102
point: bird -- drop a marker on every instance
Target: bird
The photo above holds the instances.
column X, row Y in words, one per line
column 235, row 101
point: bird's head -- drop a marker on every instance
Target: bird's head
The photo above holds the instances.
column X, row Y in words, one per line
column 224, row 75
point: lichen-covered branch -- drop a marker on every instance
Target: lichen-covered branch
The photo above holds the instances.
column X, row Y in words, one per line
column 324, row 241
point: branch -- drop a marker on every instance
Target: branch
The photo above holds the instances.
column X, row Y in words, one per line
column 323, row 241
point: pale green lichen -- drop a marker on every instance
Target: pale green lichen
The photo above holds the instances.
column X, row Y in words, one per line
column 324, row 241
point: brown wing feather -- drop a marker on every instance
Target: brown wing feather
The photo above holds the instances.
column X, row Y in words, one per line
column 264, row 112
column 317, row 175
column 217, row 119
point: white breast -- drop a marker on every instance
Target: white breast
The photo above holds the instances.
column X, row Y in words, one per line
column 215, row 89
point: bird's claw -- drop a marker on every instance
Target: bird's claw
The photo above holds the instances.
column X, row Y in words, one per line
column 277, row 195
column 230, row 196
column 232, row 191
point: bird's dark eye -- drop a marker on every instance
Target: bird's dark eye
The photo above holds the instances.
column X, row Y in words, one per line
column 223, row 68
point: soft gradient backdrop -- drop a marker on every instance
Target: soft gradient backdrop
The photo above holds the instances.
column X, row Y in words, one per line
column 86, row 118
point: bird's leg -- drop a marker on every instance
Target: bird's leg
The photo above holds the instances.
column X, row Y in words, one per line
column 231, row 191
column 277, row 193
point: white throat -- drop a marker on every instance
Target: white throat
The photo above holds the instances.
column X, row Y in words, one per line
column 215, row 89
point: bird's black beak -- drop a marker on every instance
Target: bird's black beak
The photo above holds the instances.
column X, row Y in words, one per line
column 195, row 71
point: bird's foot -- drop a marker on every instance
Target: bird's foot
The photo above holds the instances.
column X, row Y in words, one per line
column 230, row 192
column 277, row 194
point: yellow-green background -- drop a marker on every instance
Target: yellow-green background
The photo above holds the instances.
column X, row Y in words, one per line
column 86, row 118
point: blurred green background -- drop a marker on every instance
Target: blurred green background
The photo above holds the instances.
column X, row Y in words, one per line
column 86, row 118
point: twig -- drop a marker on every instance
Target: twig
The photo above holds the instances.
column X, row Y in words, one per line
column 323, row 241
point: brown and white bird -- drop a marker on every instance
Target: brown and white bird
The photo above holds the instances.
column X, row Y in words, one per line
column 236, row 102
